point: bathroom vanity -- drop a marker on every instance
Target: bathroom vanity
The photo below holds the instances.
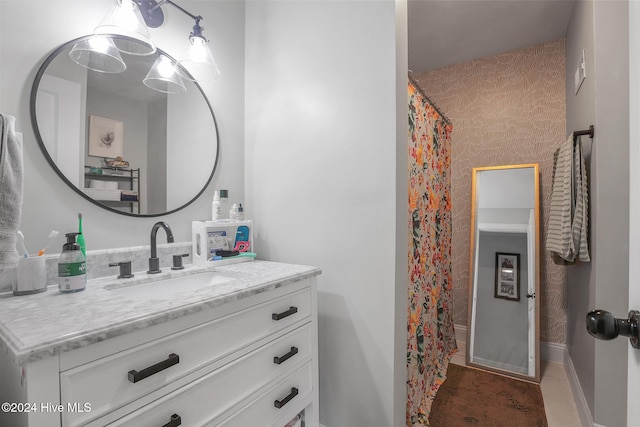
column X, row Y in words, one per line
column 235, row 345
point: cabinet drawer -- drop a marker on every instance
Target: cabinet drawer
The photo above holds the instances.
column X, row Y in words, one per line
column 204, row 399
column 107, row 384
column 262, row 412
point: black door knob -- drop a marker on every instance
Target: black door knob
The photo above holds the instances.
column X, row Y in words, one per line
column 603, row 325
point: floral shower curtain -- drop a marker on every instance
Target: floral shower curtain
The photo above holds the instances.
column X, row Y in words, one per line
column 431, row 337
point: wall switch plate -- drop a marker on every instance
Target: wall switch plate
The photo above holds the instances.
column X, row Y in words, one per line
column 581, row 73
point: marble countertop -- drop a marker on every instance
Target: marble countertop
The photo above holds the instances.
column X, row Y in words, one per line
column 33, row 327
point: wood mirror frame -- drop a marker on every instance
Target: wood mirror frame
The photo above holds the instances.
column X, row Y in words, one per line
column 504, row 261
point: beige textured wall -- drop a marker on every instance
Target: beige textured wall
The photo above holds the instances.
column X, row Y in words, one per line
column 505, row 109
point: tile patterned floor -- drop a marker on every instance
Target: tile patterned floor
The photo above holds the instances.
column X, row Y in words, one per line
column 559, row 403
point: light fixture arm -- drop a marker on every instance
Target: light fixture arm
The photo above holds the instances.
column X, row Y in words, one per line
column 154, row 17
column 183, row 10
column 197, row 29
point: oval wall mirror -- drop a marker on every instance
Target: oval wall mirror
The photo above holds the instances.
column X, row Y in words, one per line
column 504, row 312
column 126, row 147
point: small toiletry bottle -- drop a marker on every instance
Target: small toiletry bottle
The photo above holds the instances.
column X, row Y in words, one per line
column 216, row 210
column 72, row 271
column 224, row 204
column 236, row 213
column 233, row 212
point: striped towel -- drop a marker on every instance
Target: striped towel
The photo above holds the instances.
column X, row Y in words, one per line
column 579, row 226
column 567, row 235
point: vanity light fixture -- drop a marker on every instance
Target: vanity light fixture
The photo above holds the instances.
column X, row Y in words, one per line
column 198, row 58
column 197, row 62
column 98, row 53
column 124, row 19
column 163, row 77
column 126, row 26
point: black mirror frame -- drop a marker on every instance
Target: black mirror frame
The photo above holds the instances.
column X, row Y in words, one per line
column 43, row 148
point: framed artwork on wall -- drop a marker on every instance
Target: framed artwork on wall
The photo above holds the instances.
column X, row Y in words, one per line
column 105, row 137
column 507, row 284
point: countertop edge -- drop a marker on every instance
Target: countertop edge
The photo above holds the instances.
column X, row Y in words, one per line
column 20, row 356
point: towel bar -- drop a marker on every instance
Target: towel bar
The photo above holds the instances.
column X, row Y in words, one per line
column 591, row 132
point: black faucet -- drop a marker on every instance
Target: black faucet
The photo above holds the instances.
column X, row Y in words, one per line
column 154, row 261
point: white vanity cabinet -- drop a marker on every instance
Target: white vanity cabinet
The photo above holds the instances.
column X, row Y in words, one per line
column 251, row 361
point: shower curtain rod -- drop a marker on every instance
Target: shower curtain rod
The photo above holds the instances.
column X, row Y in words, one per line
column 433, row 104
column 590, row 132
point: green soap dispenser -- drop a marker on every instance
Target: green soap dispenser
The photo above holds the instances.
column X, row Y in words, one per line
column 72, row 267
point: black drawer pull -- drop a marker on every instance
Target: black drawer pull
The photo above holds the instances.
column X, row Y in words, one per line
column 135, row 376
column 278, row 316
column 175, row 421
column 281, row 359
column 280, row 403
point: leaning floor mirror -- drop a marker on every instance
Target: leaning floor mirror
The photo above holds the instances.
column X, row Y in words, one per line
column 504, row 316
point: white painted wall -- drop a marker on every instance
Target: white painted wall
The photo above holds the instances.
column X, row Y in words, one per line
column 402, row 216
column 581, row 281
column 188, row 175
column 611, row 153
column 48, row 202
column 603, row 100
column 325, row 163
column 633, row 386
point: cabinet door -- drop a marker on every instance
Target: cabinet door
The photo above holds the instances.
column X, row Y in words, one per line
column 191, row 350
column 210, row 395
column 279, row 404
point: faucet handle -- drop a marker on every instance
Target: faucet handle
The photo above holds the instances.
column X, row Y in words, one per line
column 154, row 265
column 177, row 262
column 125, row 269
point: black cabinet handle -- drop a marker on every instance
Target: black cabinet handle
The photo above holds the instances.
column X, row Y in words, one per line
column 278, row 316
column 175, row 421
column 280, row 403
column 135, row 376
column 281, row 359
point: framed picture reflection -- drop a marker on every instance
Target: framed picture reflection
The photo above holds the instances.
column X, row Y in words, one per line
column 507, row 284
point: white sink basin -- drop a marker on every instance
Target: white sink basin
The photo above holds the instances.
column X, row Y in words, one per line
column 167, row 287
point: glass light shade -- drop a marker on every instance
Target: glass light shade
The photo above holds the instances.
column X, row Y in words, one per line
column 125, row 20
column 198, row 61
column 98, row 53
column 163, row 77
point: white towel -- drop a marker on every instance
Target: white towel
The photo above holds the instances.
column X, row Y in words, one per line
column 567, row 234
column 10, row 191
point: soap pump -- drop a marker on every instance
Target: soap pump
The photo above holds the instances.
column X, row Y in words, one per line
column 72, row 267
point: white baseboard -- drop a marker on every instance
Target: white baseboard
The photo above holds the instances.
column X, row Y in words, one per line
column 581, row 402
column 461, row 334
column 552, row 352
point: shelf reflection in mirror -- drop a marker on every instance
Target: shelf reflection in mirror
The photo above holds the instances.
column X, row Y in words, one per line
column 170, row 139
column 504, row 318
